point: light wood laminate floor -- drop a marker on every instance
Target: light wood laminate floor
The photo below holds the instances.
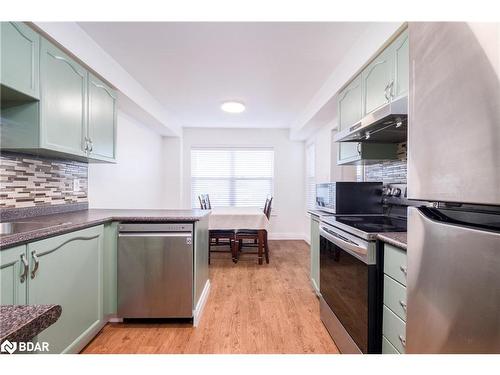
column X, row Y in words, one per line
column 251, row 309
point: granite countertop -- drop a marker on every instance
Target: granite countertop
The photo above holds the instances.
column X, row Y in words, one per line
column 55, row 224
column 23, row 322
column 398, row 239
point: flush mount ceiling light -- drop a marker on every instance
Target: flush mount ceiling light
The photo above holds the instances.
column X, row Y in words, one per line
column 233, row 107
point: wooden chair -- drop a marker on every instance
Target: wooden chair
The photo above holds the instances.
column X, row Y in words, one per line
column 217, row 237
column 259, row 237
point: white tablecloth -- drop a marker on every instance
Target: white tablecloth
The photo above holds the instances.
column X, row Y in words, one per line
column 238, row 218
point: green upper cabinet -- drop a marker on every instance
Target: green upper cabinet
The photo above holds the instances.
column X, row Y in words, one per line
column 102, row 120
column 63, row 113
column 75, row 116
column 350, row 104
column 401, row 66
column 13, row 276
column 67, row 270
column 377, row 78
column 20, row 47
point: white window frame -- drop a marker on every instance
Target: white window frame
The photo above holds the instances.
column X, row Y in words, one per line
column 232, row 179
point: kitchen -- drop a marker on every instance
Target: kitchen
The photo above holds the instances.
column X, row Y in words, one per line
column 246, row 212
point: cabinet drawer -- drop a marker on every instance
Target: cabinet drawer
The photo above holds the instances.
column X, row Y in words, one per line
column 387, row 347
column 395, row 297
column 394, row 329
column 395, row 263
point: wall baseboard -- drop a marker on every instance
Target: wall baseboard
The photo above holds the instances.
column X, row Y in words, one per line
column 201, row 304
column 287, row 236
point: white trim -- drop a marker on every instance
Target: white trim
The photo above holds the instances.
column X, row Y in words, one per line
column 115, row 320
column 201, row 304
column 287, row 236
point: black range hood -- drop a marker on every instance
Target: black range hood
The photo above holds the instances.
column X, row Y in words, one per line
column 387, row 124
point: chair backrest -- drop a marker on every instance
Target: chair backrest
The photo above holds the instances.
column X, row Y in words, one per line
column 267, row 207
column 205, row 202
column 202, row 202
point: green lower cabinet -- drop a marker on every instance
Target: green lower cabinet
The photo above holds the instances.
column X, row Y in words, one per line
column 110, row 268
column 315, row 253
column 13, row 276
column 67, row 270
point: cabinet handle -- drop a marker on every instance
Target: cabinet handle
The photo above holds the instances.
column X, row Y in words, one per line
column 37, row 263
column 403, row 341
column 358, row 148
column 26, row 267
column 403, row 305
column 404, row 270
column 390, row 87
column 91, row 145
column 385, row 92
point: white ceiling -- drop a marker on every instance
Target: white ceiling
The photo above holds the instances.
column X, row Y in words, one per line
column 190, row 68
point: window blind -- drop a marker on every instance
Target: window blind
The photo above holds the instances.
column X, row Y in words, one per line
column 232, row 176
column 310, row 177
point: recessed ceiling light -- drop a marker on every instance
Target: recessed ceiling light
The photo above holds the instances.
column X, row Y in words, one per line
column 233, row 107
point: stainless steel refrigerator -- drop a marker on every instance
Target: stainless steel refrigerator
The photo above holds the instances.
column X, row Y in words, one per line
column 454, row 165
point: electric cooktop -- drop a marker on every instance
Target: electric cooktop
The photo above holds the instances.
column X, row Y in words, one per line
column 373, row 223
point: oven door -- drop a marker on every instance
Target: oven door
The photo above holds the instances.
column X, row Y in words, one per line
column 348, row 287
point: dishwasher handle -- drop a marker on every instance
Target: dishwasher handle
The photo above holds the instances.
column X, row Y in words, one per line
column 154, row 234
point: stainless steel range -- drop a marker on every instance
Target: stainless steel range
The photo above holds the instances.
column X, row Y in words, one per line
column 349, row 273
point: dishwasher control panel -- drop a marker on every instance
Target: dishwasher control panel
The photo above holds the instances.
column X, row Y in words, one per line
column 155, row 227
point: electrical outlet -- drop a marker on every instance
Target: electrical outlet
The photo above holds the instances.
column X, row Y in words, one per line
column 76, row 184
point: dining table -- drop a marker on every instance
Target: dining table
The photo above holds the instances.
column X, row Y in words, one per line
column 237, row 218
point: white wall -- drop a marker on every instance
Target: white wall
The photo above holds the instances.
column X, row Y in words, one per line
column 288, row 203
column 137, row 180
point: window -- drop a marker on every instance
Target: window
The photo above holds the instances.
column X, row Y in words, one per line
column 310, row 177
column 232, row 176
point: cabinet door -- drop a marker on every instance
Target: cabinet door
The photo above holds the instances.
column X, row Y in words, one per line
column 401, row 66
column 20, row 48
column 350, row 104
column 377, row 77
column 69, row 274
column 315, row 253
column 63, row 98
column 102, row 120
column 110, row 268
column 348, row 152
column 13, row 276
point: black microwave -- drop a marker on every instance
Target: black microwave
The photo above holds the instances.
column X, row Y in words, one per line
column 349, row 197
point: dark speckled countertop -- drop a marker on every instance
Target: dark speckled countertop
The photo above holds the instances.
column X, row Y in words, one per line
column 398, row 239
column 56, row 224
column 24, row 322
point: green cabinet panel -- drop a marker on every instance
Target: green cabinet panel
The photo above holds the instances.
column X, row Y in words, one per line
column 401, row 66
column 387, row 347
column 102, row 120
column 315, row 253
column 395, row 297
column 200, row 261
column 377, row 78
column 19, row 51
column 365, row 153
column 350, row 104
column 69, row 273
column 395, row 263
column 64, row 101
column 110, row 268
column 13, row 276
column 394, row 330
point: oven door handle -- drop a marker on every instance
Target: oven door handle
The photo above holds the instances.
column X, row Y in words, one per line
column 348, row 246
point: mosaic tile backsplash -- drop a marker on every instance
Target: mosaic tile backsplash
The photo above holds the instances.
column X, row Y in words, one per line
column 30, row 181
column 391, row 171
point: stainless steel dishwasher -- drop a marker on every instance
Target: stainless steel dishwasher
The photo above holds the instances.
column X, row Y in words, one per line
column 155, row 270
